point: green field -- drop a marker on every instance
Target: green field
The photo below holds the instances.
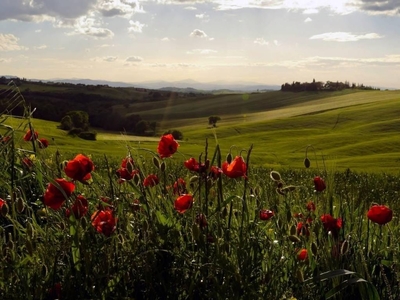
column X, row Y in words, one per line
column 348, row 129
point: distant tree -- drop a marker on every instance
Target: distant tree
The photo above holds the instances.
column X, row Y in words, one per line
column 212, row 120
column 178, row 135
column 75, row 119
column 141, row 127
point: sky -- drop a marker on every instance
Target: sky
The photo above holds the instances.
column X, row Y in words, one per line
column 250, row 41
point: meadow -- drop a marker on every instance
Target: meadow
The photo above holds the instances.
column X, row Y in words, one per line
column 292, row 196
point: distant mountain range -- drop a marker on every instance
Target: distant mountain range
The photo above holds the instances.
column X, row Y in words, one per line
column 183, row 84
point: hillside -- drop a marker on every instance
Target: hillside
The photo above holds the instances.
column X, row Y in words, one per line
column 348, row 129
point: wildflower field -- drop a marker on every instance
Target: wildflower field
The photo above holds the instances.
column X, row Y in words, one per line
column 156, row 224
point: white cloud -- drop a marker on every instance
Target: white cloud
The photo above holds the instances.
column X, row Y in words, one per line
column 201, row 51
column 190, row 8
column 136, row 26
column 5, row 60
column 310, row 11
column 90, row 27
column 41, row 47
column 9, row 42
column 261, row 41
column 203, row 17
column 307, row 20
column 38, row 30
column 110, row 58
column 198, row 33
column 276, row 43
column 134, row 59
column 344, row 37
column 165, row 39
column 111, row 8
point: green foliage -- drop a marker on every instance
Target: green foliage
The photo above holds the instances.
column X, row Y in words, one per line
column 88, row 135
column 212, row 120
column 79, row 119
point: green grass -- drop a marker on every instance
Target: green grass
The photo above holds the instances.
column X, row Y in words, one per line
column 356, row 130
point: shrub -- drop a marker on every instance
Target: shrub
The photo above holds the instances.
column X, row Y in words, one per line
column 75, row 131
column 88, row 135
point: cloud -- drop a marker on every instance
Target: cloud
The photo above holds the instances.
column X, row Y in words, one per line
column 276, row 43
column 136, row 26
column 261, row 41
column 198, row 33
column 134, row 59
column 112, row 8
column 165, row 39
column 40, row 10
column 344, row 37
column 201, row 51
column 38, row 30
column 388, row 7
column 5, row 60
column 109, row 58
column 90, row 27
column 42, row 47
column 190, row 8
column 203, row 17
column 307, row 20
column 9, row 42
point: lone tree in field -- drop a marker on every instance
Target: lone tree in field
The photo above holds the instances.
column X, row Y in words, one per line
column 75, row 119
column 212, row 120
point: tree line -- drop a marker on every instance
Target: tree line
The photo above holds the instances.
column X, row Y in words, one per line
column 323, row 86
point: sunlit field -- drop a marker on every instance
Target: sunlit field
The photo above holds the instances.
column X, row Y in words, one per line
column 300, row 202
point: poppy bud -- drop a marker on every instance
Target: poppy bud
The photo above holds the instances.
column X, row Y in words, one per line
column 345, row 247
column 29, row 230
column 293, row 230
column 4, row 209
column 294, row 239
column 307, row 162
column 84, row 223
column 156, row 162
column 299, row 275
column 29, row 247
column 314, row 249
column 275, row 176
column 163, row 166
column 229, row 158
column 20, row 205
column 136, row 179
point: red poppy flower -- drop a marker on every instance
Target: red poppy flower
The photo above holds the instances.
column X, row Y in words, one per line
column 331, row 224
column 167, row 146
column 214, row 172
column 302, row 229
column 311, row 206
column 5, row 139
column 380, row 214
column 183, row 203
column 319, row 184
column 151, row 180
column 54, row 195
column 79, row 168
column 201, row 220
column 124, row 174
column 43, row 143
column 266, row 214
column 127, row 162
column 192, row 164
column 302, row 254
column 104, row 221
column 27, row 162
column 179, row 187
column 29, row 135
column 2, row 202
column 79, row 208
column 55, row 292
column 237, row 168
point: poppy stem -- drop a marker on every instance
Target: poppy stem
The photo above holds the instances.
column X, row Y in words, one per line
column 244, row 203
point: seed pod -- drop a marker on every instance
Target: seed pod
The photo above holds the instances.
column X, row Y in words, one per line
column 156, row 162
column 4, row 210
column 299, row 275
column 229, row 158
column 224, row 212
column 293, row 230
column 136, row 179
column 345, row 247
column 294, row 239
column 288, row 188
column 29, row 231
column 275, row 176
column 129, row 166
column 307, row 162
column 10, row 244
column 29, row 247
column 84, row 223
column 314, row 249
column 20, row 205
column 280, row 192
column 288, row 216
column 163, row 166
